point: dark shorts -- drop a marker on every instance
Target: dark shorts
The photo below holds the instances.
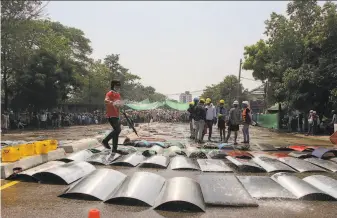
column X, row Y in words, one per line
column 221, row 124
column 232, row 127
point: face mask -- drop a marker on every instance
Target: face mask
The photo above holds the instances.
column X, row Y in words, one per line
column 117, row 88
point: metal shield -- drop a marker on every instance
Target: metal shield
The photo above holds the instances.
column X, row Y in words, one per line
column 66, row 173
column 300, row 154
column 212, row 165
column 301, row 189
column 223, row 190
column 324, row 153
column 323, row 183
column 27, row 175
column 103, row 158
column 265, row 147
column 262, row 187
column 193, row 152
column 180, row 193
column 183, row 163
column 155, row 149
column 174, row 151
column 272, row 165
column 217, row 154
column 140, row 188
column 329, row 165
column 156, row 161
column 334, row 159
column 98, row 185
column 245, row 165
column 130, row 160
column 301, row 165
column 78, row 156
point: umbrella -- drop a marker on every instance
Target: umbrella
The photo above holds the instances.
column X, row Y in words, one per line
column 129, row 122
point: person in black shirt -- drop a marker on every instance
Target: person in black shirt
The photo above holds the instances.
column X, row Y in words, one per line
column 191, row 119
column 200, row 119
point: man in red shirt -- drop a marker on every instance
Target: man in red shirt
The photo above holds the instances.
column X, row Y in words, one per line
column 113, row 103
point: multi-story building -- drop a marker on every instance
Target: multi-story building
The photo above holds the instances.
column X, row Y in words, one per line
column 185, row 97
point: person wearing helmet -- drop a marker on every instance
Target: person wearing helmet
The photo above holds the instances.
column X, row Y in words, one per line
column 247, row 120
column 113, row 104
column 210, row 117
column 234, row 121
column 200, row 118
column 221, row 114
column 191, row 118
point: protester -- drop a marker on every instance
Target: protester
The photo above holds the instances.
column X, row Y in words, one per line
column 247, row 120
column 221, row 114
column 234, row 121
column 200, row 118
column 210, row 117
column 113, row 104
column 191, row 119
column 334, row 120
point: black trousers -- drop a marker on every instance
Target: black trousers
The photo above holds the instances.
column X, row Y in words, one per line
column 114, row 134
column 210, row 127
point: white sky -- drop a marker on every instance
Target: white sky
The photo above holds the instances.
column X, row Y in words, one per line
column 173, row 46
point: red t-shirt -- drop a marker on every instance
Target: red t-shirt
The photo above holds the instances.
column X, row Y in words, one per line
column 111, row 110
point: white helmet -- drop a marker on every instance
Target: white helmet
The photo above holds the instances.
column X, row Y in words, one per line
column 245, row 102
column 235, row 102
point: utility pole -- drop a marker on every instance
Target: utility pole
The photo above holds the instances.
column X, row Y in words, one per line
column 239, row 86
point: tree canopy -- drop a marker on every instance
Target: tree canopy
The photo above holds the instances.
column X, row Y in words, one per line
column 227, row 90
column 45, row 63
column 299, row 56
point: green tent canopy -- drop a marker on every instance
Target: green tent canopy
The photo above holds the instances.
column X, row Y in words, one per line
column 142, row 106
column 145, row 106
column 176, row 105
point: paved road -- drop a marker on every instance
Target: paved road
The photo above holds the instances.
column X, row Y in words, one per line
column 40, row 200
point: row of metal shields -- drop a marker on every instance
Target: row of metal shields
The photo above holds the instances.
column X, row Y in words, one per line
column 183, row 193
column 59, row 172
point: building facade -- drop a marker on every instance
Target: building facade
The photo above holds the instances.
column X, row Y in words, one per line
column 185, row 97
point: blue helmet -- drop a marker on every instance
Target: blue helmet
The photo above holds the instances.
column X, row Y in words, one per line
column 196, row 99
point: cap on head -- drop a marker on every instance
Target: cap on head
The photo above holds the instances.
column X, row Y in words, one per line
column 235, row 102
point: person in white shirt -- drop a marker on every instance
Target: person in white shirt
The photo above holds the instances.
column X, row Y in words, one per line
column 43, row 119
column 210, row 117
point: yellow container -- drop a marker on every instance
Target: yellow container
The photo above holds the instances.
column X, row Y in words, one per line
column 27, row 149
column 41, row 147
column 52, row 144
column 10, row 154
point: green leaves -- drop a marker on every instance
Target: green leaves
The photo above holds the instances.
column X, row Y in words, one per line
column 299, row 56
column 226, row 90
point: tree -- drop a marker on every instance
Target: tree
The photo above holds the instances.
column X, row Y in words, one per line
column 45, row 83
column 299, row 56
column 226, row 90
column 14, row 15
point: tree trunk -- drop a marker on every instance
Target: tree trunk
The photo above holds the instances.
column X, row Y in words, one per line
column 5, row 82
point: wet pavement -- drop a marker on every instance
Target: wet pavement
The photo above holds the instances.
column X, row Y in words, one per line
column 40, row 200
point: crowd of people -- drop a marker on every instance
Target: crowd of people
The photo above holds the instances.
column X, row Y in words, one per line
column 203, row 115
column 55, row 119
column 46, row 119
column 157, row 115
